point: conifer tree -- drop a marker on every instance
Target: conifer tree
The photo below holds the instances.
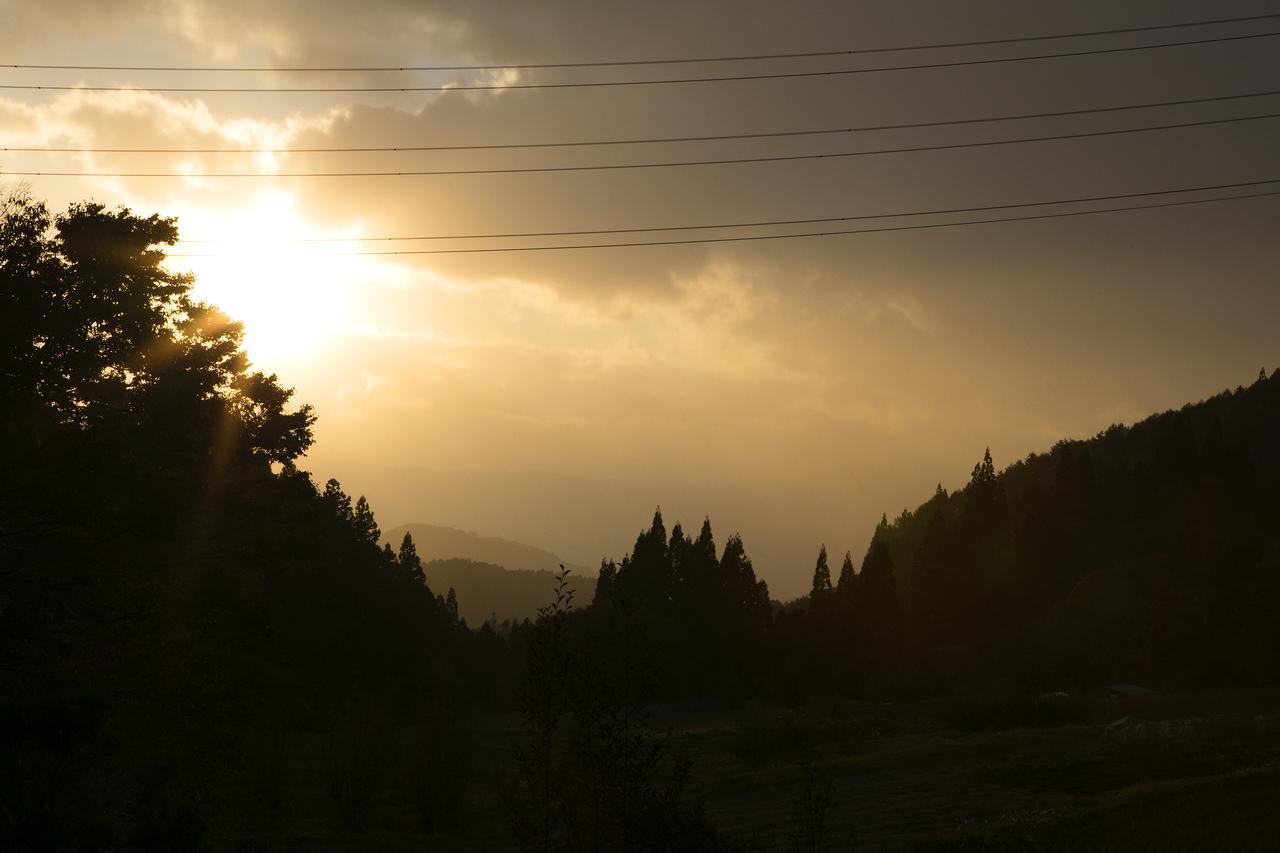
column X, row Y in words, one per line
column 821, row 579
column 409, row 561
column 702, row 567
column 985, row 509
column 876, row 611
column 605, row 582
column 705, row 545
column 844, row 586
column 739, row 580
column 652, row 544
column 984, row 471
column 339, row 500
column 645, row 577
column 677, row 562
column 365, row 525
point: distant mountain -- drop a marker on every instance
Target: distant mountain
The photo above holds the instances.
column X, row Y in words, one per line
column 491, row 575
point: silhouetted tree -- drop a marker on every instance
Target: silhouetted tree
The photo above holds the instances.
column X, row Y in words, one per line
column 365, row 526
column 844, row 586
column 876, row 613
column 821, row 588
column 338, row 500
column 605, row 581
column 645, row 575
column 409, row 561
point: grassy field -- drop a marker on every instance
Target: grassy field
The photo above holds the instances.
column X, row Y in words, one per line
column 1005, row 772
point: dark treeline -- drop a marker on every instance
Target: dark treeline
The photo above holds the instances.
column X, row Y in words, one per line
column 178, row 599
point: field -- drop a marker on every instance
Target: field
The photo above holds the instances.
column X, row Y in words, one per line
column 997, row 772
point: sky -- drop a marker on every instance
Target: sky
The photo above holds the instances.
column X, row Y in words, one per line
column 791, row 390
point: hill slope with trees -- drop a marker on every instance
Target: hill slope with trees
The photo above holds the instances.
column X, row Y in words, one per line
column 1146, row 554
column 490, row 593
column 494, row 579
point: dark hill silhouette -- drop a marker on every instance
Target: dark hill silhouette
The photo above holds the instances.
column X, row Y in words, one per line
column 1148, row 554
column 1241, row 423
column 490, row 592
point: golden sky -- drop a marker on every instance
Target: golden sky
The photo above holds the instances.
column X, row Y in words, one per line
column 793, row 390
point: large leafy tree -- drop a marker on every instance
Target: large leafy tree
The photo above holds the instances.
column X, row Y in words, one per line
column 98, row 332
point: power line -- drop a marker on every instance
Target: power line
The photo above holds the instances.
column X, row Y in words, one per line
column 668, row 164
column 760, row 237
column 667, row 61
column 647, row 82
column 777, row 222
column 644, row 141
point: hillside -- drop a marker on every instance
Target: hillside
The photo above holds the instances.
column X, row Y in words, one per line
column 486, row 591
column 491, row 575
column 1146, row 553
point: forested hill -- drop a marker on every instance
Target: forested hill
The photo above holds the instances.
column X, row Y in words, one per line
column 487, row 592
column 1236, row 427
column 494, row 579
column 1149, row 552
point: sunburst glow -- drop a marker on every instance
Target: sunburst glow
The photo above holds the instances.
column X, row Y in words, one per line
column 261, row 272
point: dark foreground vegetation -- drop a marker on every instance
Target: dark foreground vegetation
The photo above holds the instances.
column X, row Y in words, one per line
column 201, row 647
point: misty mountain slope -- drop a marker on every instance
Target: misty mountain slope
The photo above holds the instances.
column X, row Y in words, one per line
column 487, row 591
column 1146, row 552
column 492, row 576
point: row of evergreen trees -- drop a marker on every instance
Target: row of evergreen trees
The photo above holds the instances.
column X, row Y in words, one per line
column 707, row 613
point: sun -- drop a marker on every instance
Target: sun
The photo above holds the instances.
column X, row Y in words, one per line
column 292, row 296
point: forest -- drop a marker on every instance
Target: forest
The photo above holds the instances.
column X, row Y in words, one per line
column 205, row 646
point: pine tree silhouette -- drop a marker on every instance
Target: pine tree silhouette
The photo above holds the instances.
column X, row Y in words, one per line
column 821, row 587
